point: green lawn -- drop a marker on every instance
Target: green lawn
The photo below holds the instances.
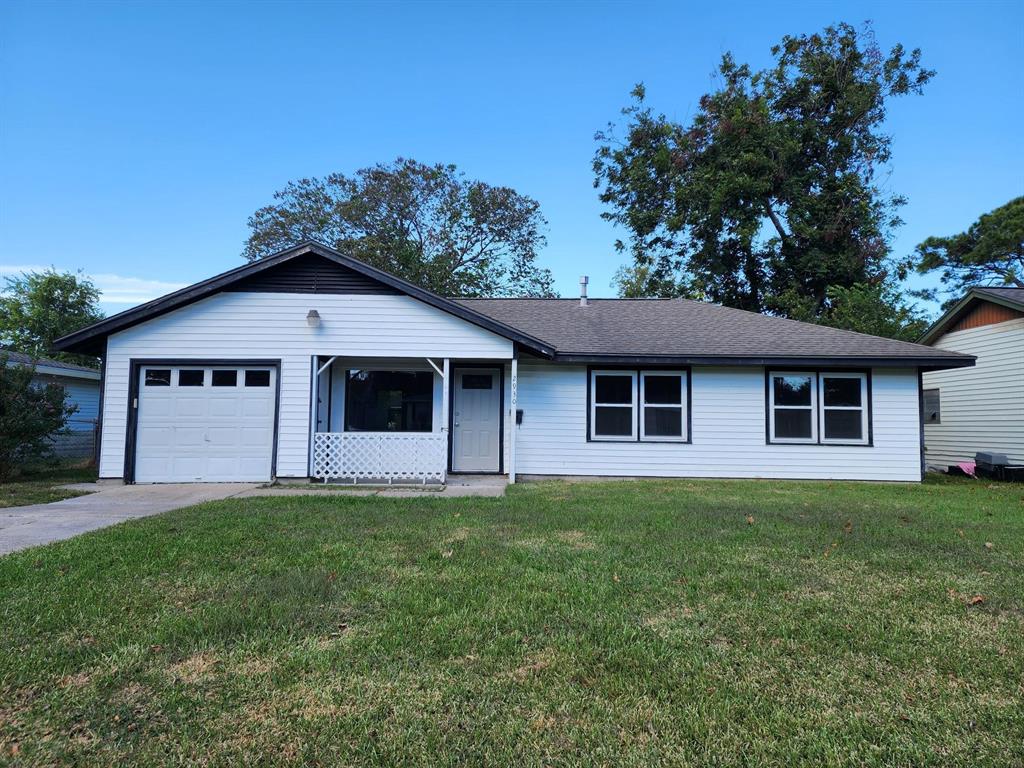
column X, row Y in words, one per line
column 39, row 486
column 654, row 623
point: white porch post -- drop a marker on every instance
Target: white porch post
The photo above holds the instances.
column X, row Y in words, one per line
column 445, row 405
column 514, row 396
column 314, row 409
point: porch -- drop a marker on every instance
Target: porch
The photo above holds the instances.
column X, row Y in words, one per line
column 411, row 420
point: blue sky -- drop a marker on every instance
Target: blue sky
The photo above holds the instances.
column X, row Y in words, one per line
column 136, row 138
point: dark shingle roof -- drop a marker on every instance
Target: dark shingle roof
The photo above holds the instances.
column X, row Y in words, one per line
column 680, row 328
column 21, row 357
column 1007, row 294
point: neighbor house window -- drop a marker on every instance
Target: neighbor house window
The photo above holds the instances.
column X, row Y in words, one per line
column 613, row 405
column 389, row 401
column 932, row 407
column 639, row 405
column 818, row 407
column 663, row 405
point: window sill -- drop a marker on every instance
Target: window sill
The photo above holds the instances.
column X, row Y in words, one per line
column 821, row 443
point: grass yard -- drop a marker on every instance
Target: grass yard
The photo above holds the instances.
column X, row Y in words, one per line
column 40, row 486
column 653, row 623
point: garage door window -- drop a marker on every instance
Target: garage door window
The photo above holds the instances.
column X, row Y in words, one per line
column 225, row 378
column 190, row 378
column 257, row 378
column 158, row 377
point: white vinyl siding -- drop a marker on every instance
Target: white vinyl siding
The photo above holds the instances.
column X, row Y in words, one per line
column 982, row 407
column 272, row 326
column 727, row 436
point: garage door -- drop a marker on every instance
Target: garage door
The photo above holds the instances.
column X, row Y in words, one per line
column 205, row 424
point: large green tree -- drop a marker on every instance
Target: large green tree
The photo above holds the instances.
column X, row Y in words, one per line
column 990, row 252
column 768, row 198
column 426, row 223
column 38, row 307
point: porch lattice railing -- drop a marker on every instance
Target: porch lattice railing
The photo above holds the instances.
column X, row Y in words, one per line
column 380, row 456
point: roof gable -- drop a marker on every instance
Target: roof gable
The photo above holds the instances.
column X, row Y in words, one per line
column 311, row 273
column 276, row 272
column 981, row 306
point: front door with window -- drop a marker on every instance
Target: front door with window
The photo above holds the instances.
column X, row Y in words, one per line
column 476, row 420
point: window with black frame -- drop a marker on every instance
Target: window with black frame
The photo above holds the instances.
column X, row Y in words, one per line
column 818, row 407
column 389, row 401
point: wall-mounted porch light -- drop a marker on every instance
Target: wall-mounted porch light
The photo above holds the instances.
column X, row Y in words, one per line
column 313, row 319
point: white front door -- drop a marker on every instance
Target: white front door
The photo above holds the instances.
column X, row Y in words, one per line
column 205, row 423
column 476, row 420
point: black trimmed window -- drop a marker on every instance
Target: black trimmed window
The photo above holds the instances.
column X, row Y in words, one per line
column 613, row 405
column 792, row 407
column 818, row 407
column 844, row 408
column 639, row 405
column 389, row 401
column 663, row 405
column 932, row 406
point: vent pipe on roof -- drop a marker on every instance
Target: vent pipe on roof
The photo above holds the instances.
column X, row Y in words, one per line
column 583, row 290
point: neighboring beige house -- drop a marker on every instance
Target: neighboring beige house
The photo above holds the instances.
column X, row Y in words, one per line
column 981, row 408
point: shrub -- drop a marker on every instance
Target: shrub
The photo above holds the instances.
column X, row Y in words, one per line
column 29, row 415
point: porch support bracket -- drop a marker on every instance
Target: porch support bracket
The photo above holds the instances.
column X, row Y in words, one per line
column 326, row 365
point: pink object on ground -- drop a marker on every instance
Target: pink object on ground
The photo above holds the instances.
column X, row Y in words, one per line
column 968, row 467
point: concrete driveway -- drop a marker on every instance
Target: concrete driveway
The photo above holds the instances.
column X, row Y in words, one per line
column 22, row 527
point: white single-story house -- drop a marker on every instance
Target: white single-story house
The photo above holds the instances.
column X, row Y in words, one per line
column 81, row 387
column 309, row 364
column 981, row 408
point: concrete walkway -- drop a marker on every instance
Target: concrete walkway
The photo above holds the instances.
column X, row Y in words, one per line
column 457, row 485
column 22, row 527
column 30, row 526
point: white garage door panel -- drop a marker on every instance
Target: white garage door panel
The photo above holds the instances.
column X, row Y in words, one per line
column 204, row 433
